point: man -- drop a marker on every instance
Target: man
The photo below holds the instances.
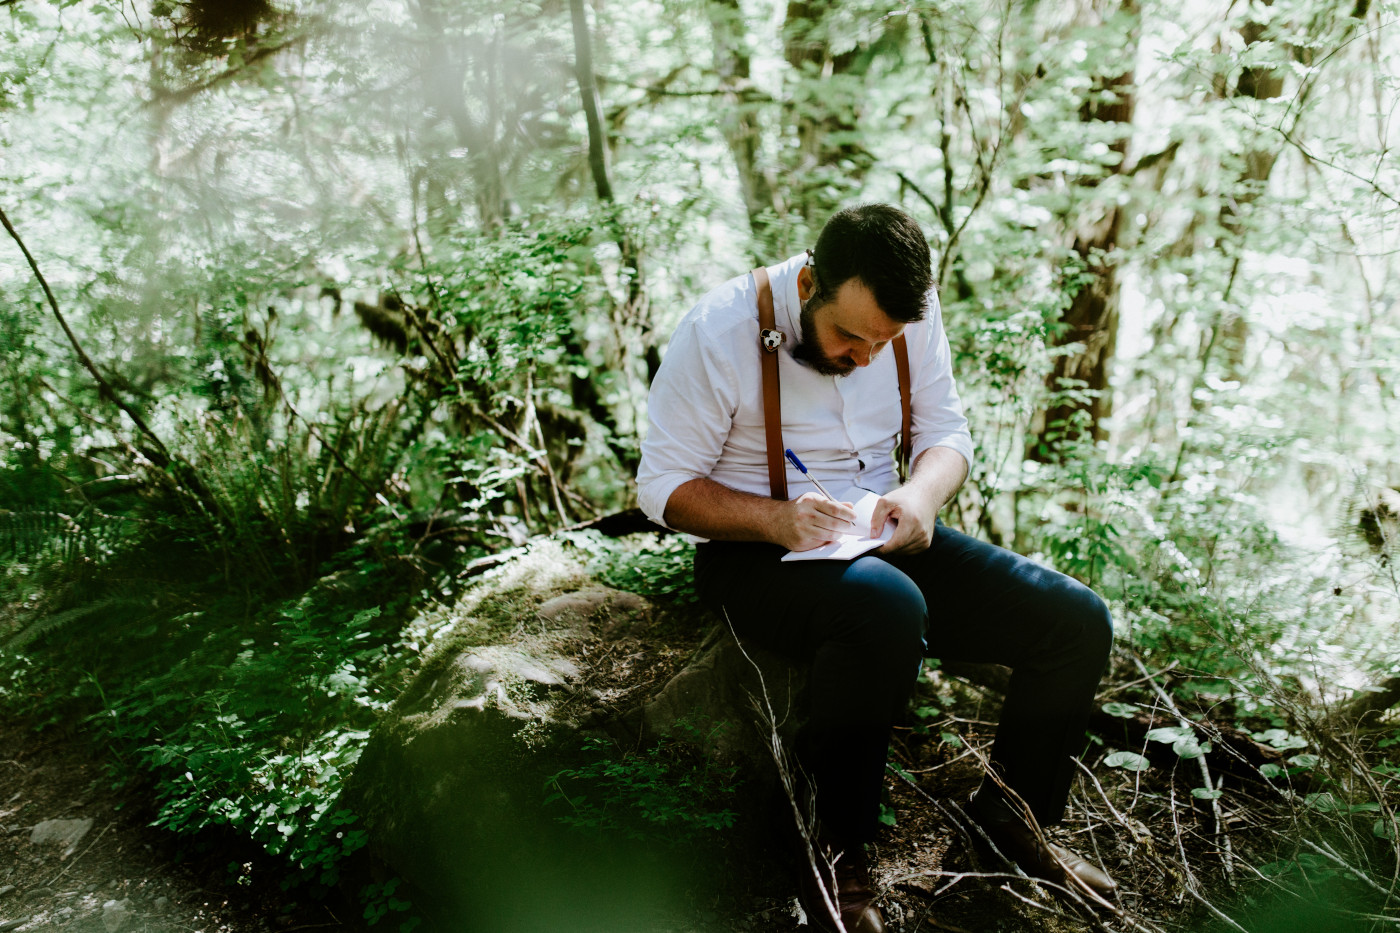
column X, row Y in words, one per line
column 865, row 624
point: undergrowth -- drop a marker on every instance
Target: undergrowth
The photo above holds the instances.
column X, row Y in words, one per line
column 242, row 713
column 667, row 793
column 651, row 565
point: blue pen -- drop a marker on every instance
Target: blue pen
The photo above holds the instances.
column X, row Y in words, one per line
column 815, row 482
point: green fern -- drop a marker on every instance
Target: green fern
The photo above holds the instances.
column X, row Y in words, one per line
column 51, row 623
column 30, row 534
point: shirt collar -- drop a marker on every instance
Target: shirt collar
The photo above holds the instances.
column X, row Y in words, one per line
column 787, row 306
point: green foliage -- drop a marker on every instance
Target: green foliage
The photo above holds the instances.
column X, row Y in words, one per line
column 1130, row 761
column 380, row 902
column 650, row 565
column 667, row 793
column 252, row 723
column 263, row 741
column 376, row 289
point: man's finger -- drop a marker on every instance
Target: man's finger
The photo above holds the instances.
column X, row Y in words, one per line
column 883, row 511
column 839, row 510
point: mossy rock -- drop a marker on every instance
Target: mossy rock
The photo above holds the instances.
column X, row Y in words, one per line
column 533, row 658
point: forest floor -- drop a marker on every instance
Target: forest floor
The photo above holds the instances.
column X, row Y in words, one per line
column 122, row 875
column 125, row 876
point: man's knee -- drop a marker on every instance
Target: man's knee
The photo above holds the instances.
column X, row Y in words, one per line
column 1095, row 625
column 880, row 604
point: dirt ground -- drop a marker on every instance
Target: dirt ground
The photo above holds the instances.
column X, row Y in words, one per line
column 122, row 875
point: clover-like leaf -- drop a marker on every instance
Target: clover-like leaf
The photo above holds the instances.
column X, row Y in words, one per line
column 1187, row 747
column 1170, row 734
column 1280, row 739
column 1129, row 761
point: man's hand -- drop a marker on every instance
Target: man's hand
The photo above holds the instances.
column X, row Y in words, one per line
column 914, row 513
column 812, row 520
column 914, row 507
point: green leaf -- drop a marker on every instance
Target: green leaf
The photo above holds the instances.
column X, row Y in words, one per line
column 1170, row 734
column 1304, row 761
column 1271, row 770
column 1129, row 761
column 1280, row 739
column 1323, row 802
column 1200, row 793
column 1187, row 747
column 1383, row 829
column 1121, row 710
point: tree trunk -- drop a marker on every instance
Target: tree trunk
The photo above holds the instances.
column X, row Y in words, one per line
column 634, row 311
column 740, row 127
column 1257, row 84
column 1091, row 321
column 445, row 74
column 1368, row 704
column 824, row 106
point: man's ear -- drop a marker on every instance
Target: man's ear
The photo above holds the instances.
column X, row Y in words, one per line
column 806, row 283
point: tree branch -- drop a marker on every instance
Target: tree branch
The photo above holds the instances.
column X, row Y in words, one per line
column 162, row 455
column 186, row 93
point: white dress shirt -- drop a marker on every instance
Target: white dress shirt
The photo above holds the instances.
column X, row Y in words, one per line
column 705, row 410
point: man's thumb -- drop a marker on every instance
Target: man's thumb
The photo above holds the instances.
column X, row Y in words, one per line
column 878, row 516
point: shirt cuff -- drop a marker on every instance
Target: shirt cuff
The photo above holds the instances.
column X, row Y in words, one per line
column 962, row 443
column 654, row 495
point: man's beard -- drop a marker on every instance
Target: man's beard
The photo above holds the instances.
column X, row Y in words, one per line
column 810, row 352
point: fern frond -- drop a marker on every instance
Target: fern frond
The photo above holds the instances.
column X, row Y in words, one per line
column 29, row 534
column 57, row 620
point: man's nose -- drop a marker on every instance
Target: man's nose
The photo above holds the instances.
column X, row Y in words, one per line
column 862, row 355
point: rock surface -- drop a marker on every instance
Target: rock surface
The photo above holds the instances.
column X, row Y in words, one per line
column 65, row 833
column 115, row 915
column 452, row 785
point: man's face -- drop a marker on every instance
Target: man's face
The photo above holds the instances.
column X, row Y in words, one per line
column 844, row 331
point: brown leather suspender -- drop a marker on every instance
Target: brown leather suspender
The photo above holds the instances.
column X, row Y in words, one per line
column 901, row 365
column 770, row 339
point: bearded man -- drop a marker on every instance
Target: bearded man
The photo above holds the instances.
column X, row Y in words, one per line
column 839, row 313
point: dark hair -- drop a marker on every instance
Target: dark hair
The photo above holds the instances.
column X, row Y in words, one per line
column 882, row 247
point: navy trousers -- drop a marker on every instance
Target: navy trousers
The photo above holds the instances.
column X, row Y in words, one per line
column 865, row 626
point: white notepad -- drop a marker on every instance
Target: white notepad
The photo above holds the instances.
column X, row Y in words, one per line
column 856, row 542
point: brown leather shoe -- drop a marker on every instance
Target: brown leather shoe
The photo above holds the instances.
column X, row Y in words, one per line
column 853, row 897
column 1045, row 860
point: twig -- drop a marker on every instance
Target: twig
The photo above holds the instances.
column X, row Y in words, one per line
column 1191, row 882
column 103, row 385
column 1216, row 911
column 1102, row 794
column 1119, row 688
column 804, row 823
column 954, row 877
column 1331, row 856
column 1028, row 817
column 1222, row 832
column 1032, row 902
column 962, row 823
